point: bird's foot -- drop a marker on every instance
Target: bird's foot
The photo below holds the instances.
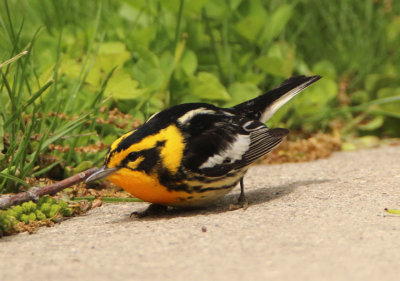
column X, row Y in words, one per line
column 241, row 204
column 152, row 210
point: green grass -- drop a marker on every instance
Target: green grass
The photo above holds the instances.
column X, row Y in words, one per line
column 28, row 127
column 355, row 35
column 57, row 59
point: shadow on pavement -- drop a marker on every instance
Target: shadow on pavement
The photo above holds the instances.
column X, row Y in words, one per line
column 254, row 197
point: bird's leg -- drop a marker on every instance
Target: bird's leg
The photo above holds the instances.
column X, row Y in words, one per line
column 152, row 210
column 242, row 198
column 242, row 201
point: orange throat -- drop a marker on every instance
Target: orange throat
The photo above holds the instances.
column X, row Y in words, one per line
column 146, row 187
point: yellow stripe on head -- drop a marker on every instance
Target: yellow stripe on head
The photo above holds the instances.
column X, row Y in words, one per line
column 171, row 153
column 115, row 144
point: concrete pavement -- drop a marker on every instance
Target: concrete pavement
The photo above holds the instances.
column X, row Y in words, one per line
column 320, row 220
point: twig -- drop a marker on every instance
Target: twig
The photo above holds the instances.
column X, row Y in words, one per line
column 36, row 192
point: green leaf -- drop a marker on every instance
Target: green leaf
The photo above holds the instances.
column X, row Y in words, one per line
column 348, row 146
column 155, row 104
column 111, row 54
column 143, row 36
column 388, row 93
column 368, row 141
column 393, row 211
column 207, row 86
column 360, row 97
column 271, row 65
column 302, row 68
column 234, row 4
column 316, row 98
column 241, row 92
column 112, row 48
column 191, row 99
column 192, row 8
column 137, row 115
column 250, row 27
column 278, row 21
column 70, row 67
column 279, row 61
column 373, row 124
column 215, row 9
column 133, row 12
column 146, row 55
column 122, row 86
column 148, row 75
column 325, row 68
column 188, row 62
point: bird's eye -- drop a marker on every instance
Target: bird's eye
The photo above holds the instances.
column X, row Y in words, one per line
column 132, row 156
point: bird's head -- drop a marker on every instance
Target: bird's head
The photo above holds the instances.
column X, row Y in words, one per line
column 142, row 151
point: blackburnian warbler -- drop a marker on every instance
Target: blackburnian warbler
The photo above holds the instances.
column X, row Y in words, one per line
column 192, row 154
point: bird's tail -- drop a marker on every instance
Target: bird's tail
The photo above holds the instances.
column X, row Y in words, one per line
column 264, row 106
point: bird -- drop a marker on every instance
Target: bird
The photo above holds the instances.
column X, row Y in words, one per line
column 191, row 155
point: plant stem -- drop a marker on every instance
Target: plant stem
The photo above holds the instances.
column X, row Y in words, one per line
column 108, row 199
column 178, row 25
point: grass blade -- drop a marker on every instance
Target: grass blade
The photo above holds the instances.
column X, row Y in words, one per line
column 13, row 178
column 13, row 59
column 29, row 102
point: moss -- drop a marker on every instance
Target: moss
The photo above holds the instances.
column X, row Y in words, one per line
column 7, row 222
column 32, row 217
column 28, row 207
column 11, row 212
column 55, row 209
column 24, row 218
column 45, row 208
column 46, row 199
column 18, row 212
column 29, row 212
column 67, row 212
column 40, row 215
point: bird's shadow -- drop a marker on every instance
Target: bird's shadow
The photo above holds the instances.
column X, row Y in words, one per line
column 254, row 197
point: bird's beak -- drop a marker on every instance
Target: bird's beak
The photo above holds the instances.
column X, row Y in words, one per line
column 101, row 173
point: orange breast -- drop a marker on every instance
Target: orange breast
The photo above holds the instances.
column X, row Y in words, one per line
column 145, row 187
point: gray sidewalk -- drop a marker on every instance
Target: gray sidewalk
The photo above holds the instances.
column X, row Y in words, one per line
column 320, row 220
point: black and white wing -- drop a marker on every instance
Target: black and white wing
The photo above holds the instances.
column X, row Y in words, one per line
column 225, row 144
column 262, row 141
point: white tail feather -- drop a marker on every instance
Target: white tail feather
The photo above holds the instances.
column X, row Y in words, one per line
column 272, row 108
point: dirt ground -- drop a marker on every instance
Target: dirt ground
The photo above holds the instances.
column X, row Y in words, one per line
column 321, row 220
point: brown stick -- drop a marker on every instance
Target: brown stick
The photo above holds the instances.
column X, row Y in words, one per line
column 36, row 192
